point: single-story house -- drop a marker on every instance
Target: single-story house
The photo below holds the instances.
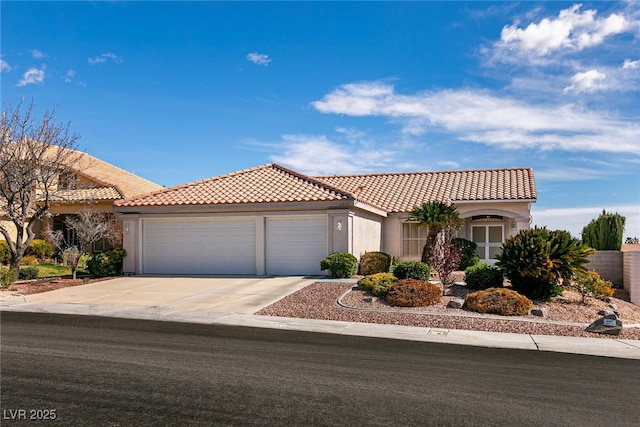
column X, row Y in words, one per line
column 89, row 182
column 271, row 220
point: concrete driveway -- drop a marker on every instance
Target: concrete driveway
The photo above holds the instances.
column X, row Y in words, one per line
column 244, row 295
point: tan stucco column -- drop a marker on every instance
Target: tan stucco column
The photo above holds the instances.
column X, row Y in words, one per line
column 129, row 244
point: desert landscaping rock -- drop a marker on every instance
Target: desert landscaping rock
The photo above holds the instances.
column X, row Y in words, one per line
column 540, row 312
column 609, row 324
column 606, row 313
column 455, row 303
column 568, row 310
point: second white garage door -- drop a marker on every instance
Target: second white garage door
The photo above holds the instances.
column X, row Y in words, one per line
column 295, row 246
column 199, row 246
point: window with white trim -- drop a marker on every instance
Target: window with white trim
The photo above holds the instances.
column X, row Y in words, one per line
column 414, row 238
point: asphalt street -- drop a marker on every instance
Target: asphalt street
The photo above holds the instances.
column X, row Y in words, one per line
column 84, row 370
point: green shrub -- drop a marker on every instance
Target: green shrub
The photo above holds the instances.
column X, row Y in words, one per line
column 412, row 270
column 377, row 284
column 469, row 256
column 5, row 253
column 498, row 301
column 340, row 264
column 29, row 260
column 537, row 261
column 483, row 276
column 28, row 273
column 107, row 263
column 592, row 285
column 375, row 262
column 605, row 232
column 41, row 249
column 413, row 293
column 82, row 261
column 6, row 277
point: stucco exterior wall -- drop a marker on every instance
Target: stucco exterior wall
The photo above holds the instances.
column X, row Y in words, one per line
column 516, row 216
column 339, row 227
column 367, row 232
column 130, row 244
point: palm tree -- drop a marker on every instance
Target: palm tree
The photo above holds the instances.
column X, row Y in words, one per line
column 435, row 216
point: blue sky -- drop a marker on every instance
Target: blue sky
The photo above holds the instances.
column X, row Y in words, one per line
column 181, row 91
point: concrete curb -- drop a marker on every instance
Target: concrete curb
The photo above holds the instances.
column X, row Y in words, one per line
column 627, row 349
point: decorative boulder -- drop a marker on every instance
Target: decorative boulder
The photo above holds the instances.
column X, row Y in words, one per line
column 540, row 312
column 605, row 313
column 609, row 324
column 456, row 303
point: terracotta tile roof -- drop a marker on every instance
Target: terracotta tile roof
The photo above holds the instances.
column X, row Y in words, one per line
column 400, row 192
column 396, row 192
column 270, row 183
column 107, row 175
column 85, row 194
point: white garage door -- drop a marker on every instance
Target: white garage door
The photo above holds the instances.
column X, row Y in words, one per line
column 295, row 246
column 199, row 246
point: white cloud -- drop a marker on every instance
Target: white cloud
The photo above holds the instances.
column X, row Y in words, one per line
column 318, row 155
column 4, row 66
column 37, row 54
column 104, row 58
column 572, row 30
column 482, row 117
column 630, row 65
column 259, row 58
column 32, row 76
column 570, row 174
column 68, row 77
column 589, row 81
column 574, row 219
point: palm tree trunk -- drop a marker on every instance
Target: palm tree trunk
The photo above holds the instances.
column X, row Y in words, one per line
column 427, row 251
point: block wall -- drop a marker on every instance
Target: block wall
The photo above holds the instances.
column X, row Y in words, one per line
column 632, row 275
column 608, row 264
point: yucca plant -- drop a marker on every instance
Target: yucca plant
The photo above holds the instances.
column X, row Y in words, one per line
column 539, row 261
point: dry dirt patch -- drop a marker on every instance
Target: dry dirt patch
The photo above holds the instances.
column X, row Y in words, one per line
column 30, row 287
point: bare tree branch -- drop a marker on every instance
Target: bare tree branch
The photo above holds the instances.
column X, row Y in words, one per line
column 91, row 226
column 34, row 154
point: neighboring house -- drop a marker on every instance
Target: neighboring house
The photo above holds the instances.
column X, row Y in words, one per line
column 91, row 183
column 271, row 220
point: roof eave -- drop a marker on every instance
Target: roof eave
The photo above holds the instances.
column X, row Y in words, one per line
column 495, row 200
column 238, row 207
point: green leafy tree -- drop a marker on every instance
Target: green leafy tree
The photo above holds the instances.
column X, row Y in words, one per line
column 605, row 232
column 435, row 216
column 539, row 261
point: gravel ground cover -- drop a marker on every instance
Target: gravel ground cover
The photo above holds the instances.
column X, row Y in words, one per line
column 566, row 315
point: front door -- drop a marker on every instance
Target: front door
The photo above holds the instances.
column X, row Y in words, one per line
column 489, row 239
